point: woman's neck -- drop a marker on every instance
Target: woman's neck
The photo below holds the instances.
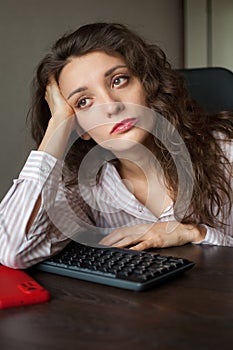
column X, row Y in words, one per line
column 139, row 161
column 143, row 176
column 135, row 168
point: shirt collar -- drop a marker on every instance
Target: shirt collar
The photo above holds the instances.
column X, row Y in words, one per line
column 112, row 184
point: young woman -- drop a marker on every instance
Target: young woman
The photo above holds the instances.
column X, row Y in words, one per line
column 121, row 149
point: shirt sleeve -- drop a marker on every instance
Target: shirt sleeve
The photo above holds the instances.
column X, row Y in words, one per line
column 216, row 237
column 55, row 223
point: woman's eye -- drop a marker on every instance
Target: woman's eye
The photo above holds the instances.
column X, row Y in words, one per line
column 118, row 81
column 83, row 102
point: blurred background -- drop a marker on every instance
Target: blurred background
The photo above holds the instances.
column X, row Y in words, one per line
column 193, row 33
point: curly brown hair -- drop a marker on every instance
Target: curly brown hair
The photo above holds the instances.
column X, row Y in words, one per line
column 167, row 95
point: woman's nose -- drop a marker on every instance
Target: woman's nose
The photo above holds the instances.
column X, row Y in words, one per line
column 114, row 108
column 111, row 103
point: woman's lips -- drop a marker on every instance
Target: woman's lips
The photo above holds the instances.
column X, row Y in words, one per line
column 123, row 126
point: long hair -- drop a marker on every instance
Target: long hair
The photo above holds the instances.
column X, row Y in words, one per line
column 166, row 95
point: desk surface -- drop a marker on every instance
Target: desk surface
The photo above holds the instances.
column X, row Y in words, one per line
column 194, row 311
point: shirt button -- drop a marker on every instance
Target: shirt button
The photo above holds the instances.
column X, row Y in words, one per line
column 140, row 208
column 45, row 168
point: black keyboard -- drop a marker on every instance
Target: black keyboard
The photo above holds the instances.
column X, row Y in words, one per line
column 115, row 267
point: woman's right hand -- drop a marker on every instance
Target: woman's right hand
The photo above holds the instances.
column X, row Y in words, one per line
column 59, row 108
column 61, row 123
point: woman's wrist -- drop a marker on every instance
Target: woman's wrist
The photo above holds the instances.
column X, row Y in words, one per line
column 199, row 233
column 56, row 137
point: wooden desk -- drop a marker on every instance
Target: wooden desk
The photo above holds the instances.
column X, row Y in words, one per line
column 194, row 311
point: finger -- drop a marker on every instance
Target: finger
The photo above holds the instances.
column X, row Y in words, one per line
column 143, row 245
column 113, row 237
column 127, row 241
column 52, row 87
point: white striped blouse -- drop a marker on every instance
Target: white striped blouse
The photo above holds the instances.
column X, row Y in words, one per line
column 76, row 212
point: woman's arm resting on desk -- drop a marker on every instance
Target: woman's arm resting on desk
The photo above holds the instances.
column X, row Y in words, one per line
column 166, row 234
column 23, row 240
column 158, row 235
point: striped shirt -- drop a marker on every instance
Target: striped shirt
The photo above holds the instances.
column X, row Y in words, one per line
column 72, row 213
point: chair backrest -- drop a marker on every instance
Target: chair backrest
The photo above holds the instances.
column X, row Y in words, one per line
column 211, row 87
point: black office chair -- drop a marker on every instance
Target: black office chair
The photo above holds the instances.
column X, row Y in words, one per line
column 211, row 87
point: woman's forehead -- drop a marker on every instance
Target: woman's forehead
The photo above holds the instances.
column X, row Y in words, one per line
column 91, row 65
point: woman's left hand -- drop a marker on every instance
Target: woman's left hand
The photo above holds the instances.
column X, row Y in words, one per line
column 157, row 235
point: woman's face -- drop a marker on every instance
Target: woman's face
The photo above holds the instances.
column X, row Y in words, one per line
column 109, row 102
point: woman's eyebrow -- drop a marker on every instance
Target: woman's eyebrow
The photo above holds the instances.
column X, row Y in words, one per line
column 106, row 74
column 111, row 70
column 77, row 91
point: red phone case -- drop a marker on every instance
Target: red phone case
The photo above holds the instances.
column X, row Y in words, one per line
column 17, row 288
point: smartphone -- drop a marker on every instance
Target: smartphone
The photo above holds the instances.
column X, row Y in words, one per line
column 17, row 288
